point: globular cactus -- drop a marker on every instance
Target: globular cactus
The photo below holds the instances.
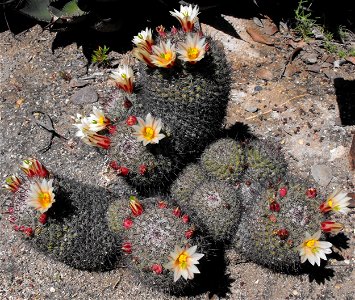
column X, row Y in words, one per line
column 189, row 179
column 216, row 205
column 224, row 160
column 154, row 234
column 271, row 230
column 148, row 168
column 264, row 161
column 190, row 99
column 64, row 218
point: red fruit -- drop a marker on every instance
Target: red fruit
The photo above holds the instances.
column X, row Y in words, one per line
column 157, row 268
column 114, row 165
column 274, row 206
column 273, row 218
column 283, row 234
column 162, row 204
column 43, row 218
column 127, row 223
column 127, row 247
column 28, row 231
column 142, row 169
column 177, row 212
column 131, row 120
column 185, row 218
column 112, row 129
column 127, row 103
column 283, row 192
column 189, row 233
column 311, row 193
column 123, row 171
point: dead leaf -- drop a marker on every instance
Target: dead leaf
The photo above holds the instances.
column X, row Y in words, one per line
column 352, row 154
column 352, row 200
column 258, row 37
column 19, row 102
column 300, row 44
column 269, row 27
column 351, row 59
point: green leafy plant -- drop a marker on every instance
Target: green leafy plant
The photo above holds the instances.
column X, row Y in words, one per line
column 100, row 56
column 304, row 21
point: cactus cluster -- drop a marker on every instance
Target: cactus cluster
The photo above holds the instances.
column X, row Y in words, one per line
column 271, row 231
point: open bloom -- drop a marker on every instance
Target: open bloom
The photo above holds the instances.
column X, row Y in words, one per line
column 90, row 137
column 40, row 195
column 123, row 78
column 97, row 120
column 32, row 167
column 12, row 183
column 144, row 39
column 331, row 227
column 164, row 55
column 337, row 202
column 148, row 131
column 187, row 16
column 313, row 250
column 182, row 261
column 193, row 50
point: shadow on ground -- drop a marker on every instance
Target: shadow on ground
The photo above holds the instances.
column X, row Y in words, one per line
column 345, row 92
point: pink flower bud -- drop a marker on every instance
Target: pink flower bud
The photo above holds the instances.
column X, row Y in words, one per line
column 127, row 223
column 136, row 207
column 177, row 212
column 157, row 268
column 274, row 206
column 283, row 192
column 185, row 218
column 331, row 227
column 127, row 247
column 311, row 193
column 131, row 120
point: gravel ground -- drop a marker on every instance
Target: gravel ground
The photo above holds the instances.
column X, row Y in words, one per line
column 314, row 130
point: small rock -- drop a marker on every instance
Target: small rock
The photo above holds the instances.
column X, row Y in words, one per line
column 77, row 83
column 339, row 63
column 265, row 74
column 310, row 59
column 337, row 152
column 52, row 289
column 252, row 109
column 314, row 68
column 322, row 174
column 258, row 88
column 84, row 96
column 295, row 293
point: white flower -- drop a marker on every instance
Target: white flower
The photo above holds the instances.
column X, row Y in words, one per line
column 187, row 16
column 182, row 261
column 313, row 250
column 163, row 55
column 148, row 131
column 40, row 195
column 143, row 55
column 97, row 121
column 193, row 49
column 123, row 78
column 144, row 39
column 90, row 137
column 337, row 202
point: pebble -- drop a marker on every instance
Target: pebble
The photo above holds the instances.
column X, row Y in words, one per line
column 265, row 74
column 252, row 109
column 258, row 88
column 84, row 96
column 52, row 289
column 311, row 59
column 322, row 174
column 295, row 293
column 337, row 152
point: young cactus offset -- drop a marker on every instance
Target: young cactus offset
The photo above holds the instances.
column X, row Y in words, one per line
column 224, row 160
column 216, row 206
column 162, row 246
column 269, row 233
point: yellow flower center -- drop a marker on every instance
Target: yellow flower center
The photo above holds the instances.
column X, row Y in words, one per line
column 148, row 133
column 44, row 199
column 101, row 120
column 124, row 75
column 193, row 53
column 182, row 260
column 310, row 243
column 330, row 203
column 167, row 56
